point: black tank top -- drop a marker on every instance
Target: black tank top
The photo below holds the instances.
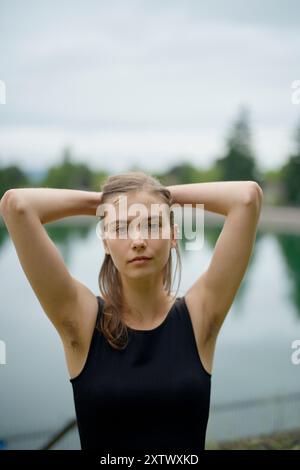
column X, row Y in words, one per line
column 152, row 396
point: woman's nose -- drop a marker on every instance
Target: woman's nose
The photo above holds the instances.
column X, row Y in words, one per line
column 138, row 237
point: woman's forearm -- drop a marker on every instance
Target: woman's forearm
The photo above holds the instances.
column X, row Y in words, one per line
column 52, row 204
column 219, row 197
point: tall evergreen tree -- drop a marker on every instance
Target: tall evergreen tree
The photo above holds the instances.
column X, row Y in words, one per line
column 239, row 160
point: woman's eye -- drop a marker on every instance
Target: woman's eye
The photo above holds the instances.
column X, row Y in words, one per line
column 144, row 227
column 120, row 229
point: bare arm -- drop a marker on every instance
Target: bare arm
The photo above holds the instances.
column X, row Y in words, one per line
column 213, row 292
column 51, row 204
column 61, row 296
column 219, row 197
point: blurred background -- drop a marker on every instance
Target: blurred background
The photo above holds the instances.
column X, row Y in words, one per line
column 189, row 92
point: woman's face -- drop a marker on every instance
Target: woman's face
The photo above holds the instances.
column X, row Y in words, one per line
column 143, row 230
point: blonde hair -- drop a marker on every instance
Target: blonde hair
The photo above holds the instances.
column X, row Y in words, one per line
column 111, row 323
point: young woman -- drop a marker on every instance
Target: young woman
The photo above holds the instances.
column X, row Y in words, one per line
column 139, row 358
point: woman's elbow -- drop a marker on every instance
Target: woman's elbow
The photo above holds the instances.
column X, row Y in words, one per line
column 11, row 201
column 254, row 193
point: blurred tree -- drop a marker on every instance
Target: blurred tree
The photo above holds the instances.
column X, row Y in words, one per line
column 183, row 173
column 12, row 177
column 69, row 175
column 239, row 161
column 98, row 179
column 291, row 172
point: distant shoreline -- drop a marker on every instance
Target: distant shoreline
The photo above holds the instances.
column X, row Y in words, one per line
column 272, row 218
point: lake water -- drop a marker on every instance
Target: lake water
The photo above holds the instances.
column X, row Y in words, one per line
column 255, row 385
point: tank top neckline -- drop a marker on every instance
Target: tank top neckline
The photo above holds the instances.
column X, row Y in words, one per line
column 160, row 326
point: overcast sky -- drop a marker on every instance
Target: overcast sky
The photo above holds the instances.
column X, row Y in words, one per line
column 149, row 82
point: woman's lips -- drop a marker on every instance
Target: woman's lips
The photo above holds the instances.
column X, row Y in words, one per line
column 140, row 261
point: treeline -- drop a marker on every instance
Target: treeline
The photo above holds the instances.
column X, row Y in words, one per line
column 281, row 186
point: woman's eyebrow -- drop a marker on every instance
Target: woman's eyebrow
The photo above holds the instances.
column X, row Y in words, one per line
column 156, row 218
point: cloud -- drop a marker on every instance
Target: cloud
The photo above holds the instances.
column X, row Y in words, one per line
column 132, row 68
